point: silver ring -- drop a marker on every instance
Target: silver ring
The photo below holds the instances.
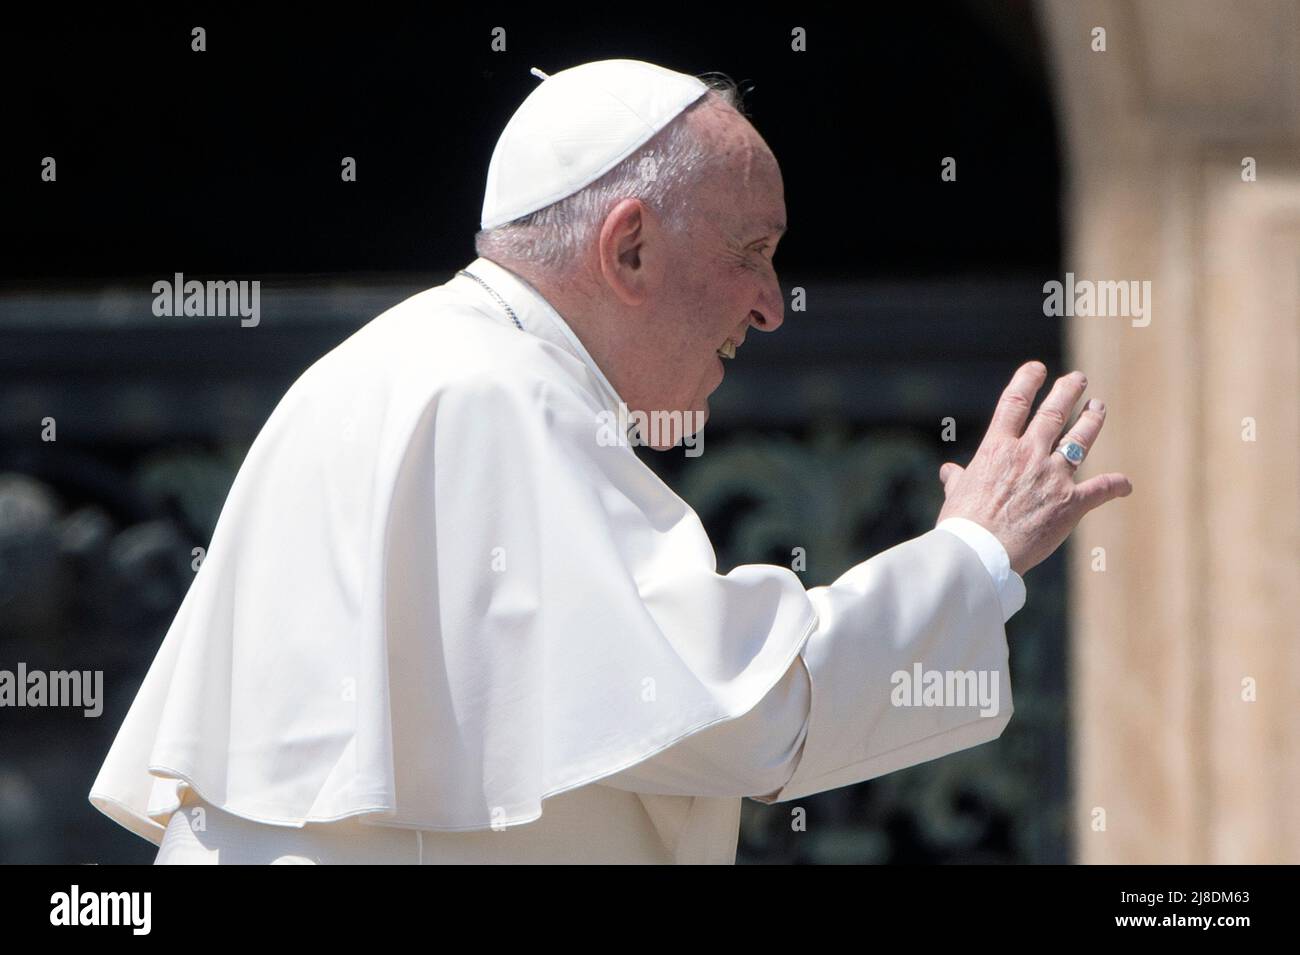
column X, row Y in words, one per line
column 1072, row 451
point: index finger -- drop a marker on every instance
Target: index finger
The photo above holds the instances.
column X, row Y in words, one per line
column 1013, row 407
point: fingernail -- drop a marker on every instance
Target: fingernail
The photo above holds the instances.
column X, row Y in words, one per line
column 1095, row 405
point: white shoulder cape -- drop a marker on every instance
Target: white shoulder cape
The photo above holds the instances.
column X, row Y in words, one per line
column 434, row 599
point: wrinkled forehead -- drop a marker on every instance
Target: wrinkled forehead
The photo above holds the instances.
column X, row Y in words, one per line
column 748, row 193
column 742, row 190
column 756, row 206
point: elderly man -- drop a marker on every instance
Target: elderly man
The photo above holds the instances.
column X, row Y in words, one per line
column 443, row 618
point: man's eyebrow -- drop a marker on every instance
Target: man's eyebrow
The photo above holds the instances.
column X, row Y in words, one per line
column 775, row 227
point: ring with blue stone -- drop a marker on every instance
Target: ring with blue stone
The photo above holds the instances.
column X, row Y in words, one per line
column 1072, row 451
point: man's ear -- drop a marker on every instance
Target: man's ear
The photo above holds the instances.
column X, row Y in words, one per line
column 628, row 243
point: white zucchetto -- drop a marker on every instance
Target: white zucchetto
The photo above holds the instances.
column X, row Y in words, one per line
column 575, row 127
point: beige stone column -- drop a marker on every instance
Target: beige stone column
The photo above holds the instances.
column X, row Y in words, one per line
column 1199, row 599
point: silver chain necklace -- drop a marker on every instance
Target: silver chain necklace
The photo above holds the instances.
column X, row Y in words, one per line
column 500, row 301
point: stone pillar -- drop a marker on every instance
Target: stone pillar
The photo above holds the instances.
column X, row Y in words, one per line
column 1199, row 599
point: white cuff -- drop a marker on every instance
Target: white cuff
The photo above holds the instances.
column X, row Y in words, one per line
column 1010, row 587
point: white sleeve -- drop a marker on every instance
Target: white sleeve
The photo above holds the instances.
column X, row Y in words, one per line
column 1011, row 588
column 927, row 605
column 755, row 753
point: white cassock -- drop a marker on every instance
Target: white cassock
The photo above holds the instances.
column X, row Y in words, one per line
column 441, row 620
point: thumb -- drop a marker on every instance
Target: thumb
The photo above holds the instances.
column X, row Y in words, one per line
column 1098, row 490
column 948, row 471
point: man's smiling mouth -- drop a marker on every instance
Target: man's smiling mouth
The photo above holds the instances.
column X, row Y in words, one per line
column 728, row 349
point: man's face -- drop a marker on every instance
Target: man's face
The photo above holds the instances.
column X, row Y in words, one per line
column 721, row 283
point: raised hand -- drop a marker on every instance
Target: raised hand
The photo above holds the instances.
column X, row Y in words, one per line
column 1017, row 486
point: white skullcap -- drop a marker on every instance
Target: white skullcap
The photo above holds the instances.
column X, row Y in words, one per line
column 575, row 127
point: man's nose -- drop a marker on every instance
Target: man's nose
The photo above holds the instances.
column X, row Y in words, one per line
column 769, row 311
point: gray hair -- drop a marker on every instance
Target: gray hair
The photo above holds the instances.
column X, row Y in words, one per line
column 661, row 173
